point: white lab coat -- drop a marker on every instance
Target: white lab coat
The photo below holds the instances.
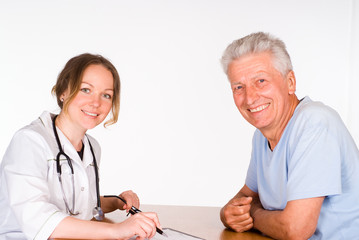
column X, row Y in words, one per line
column 31, row 200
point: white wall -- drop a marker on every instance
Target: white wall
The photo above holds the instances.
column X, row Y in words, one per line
column 179, row 139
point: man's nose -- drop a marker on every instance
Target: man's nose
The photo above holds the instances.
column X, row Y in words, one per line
column 251, row 95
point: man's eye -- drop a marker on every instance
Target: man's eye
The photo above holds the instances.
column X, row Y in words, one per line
column 85, row 90
column 261, row 80
column 237, row 89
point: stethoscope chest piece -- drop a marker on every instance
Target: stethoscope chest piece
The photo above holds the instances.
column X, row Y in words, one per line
column 98, row 213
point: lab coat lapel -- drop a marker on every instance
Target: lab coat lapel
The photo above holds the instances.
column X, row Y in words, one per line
column 68, row 148
column 87, row 157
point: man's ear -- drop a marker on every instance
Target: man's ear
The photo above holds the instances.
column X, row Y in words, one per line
column 291, row 81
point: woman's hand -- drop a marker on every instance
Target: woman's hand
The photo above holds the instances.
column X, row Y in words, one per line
column 109, row 204
column 143, row 225
column 131, row 199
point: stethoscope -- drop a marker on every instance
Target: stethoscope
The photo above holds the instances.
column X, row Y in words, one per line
column 97, row 211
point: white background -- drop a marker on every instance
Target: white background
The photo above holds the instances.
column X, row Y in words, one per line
column 180, row 139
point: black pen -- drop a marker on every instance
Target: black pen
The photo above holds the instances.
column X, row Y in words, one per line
column 135, row 210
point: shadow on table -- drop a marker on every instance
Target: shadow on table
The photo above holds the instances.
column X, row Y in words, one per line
column 250, row 235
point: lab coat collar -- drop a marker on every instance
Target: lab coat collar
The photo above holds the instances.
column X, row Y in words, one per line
column 46, row 119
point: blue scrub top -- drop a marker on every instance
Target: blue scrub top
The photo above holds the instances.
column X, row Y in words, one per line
column 316, row 156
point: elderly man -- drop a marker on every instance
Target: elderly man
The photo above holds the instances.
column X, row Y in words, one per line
column 303, row 177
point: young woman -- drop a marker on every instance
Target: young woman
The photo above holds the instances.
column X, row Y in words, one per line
column 49, row 176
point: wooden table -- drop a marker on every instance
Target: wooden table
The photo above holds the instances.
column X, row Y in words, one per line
column 202, row 222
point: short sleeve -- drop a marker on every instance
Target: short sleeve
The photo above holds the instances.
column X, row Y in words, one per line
column 251, row 178
column 314, row 168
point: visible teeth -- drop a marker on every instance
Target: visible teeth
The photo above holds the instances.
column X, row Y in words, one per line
column 91, row 114
column 260, row 108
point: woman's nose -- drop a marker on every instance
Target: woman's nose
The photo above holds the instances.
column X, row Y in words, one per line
column 96, row 100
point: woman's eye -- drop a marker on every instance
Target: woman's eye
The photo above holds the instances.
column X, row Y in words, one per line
column 85, row 90
column 107, row 96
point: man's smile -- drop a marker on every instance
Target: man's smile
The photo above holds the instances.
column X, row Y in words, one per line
column 257, row 109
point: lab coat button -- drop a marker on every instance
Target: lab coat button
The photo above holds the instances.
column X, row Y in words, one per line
column 82, row 188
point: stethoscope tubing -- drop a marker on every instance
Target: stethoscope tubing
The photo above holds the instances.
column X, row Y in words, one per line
column 59, row 173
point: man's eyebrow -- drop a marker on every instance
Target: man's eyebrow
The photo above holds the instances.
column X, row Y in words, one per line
column 254, row 76
column 235, row 83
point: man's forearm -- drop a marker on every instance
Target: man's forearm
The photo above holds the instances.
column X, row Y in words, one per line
column 280, row 224
column 268, row 222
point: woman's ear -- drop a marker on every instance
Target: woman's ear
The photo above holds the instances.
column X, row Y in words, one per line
column 64, row 96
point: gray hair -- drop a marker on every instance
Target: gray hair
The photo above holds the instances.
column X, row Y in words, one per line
column 257, row 43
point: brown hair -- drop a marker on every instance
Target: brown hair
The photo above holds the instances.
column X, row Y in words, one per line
column 70, row 78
